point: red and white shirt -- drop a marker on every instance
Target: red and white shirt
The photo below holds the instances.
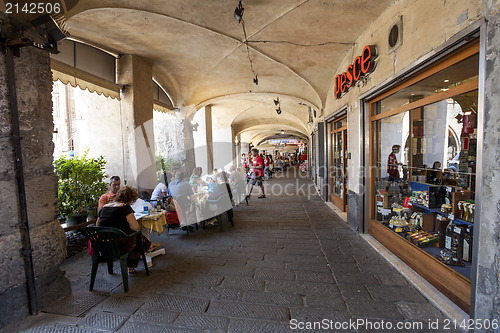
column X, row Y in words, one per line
column 257, row 161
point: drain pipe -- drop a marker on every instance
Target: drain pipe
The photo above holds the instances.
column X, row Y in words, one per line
column 24, row 229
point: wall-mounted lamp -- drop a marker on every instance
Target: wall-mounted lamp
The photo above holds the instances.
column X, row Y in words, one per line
column 238, row 12
column 194, row 126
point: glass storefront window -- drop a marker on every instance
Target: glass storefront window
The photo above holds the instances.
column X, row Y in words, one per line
column 424, row 164
column 445, row 79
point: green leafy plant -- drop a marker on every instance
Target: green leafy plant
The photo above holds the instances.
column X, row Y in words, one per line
column 81, row 183
column 164, row 165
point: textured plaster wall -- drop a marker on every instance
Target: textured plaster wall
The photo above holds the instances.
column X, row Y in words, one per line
column 96, row 127
column 487, row 305
column 48, row 241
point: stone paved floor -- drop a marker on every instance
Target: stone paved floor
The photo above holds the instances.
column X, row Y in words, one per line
column 288, row 260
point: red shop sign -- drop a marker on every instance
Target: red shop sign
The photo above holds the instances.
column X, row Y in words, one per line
column 362, row 66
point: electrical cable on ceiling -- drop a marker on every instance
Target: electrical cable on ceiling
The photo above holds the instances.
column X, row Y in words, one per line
column 298, row 44
column 255, row 78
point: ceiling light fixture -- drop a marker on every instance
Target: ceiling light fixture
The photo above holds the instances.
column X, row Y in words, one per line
column 282, row 132
column 238, row 12
column 278, row 104
column 256, row 80
column 446, row 81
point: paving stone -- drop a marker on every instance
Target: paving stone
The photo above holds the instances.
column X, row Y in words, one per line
column 392, row 278
column 75, row 304
column 202, row 322
column 355, row 292
column 200, row 279
column 339, row 258
column 356, row 278
column 245, row 310
column 349, row 267
column 228, row 271
column 378, row 269
column 302, row 288
column 241, row 283
column 178, row 303
column 122, row 304
column 272, row 298
column 317, row 315
column 420, row 311
column 396, row 293
column 370, row 259
column 315, row 277
column 174, row 288
column 314, row 267
column 374, row 309
column 266, row 264
column 300, row 252
column 336, row 303
column 58, row 328
column 141, row 327
column 274, row 275
column 217, row 293
column 155, row 315
column 246, row 326
column 103, row 320
column 318, row 259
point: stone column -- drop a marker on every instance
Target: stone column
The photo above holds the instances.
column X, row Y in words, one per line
column 135, row 74
column 48, row 241
column 210, row 144
column 486, row 296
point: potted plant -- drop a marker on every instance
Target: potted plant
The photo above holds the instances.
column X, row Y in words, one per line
column 81, row 183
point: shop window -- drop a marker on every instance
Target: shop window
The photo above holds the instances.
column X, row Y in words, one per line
column 423, row 176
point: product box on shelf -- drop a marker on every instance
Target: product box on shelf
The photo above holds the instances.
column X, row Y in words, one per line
column 460, row 196
column 436, row 196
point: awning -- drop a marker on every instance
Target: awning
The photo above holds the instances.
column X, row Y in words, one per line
column 76, row 77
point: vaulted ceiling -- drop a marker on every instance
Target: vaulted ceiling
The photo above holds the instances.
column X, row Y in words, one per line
column 199, row 55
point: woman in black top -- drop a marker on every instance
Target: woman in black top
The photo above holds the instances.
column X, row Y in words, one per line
column 120, row 215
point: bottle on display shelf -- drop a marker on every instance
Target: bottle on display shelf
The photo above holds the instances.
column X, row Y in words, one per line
column 455, row 248
column 467, row 247
column 449, row 235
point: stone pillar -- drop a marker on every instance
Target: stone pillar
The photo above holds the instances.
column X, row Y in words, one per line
column 210, row 144
column 48, row 241
column 135, row 74
column 486, row 296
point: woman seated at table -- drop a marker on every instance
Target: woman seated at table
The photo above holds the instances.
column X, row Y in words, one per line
column 120, row 215
column 221, row 193
column 195, row 180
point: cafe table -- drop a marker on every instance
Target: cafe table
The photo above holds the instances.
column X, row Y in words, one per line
column 149, row 223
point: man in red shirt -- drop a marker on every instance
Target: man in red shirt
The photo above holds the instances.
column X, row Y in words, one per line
column 258, row 172
column 114, row 186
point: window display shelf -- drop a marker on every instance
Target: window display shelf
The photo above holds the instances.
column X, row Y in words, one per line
column 435, row 210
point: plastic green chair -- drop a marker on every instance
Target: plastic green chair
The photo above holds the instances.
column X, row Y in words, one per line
column 105, row 249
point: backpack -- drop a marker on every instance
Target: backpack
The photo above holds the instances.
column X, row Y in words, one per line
column 172, row 220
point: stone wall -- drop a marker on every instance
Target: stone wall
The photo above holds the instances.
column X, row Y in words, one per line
column 486, row 238
column 48, row 241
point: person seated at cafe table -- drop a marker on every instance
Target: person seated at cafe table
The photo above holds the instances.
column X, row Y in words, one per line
column 114, row 186
column 159, row 192
column 222, row 194
column 183, row 193
column 118, row 214
column 195, row 180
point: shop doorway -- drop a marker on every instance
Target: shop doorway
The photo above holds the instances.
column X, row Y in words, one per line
column 338, row 162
